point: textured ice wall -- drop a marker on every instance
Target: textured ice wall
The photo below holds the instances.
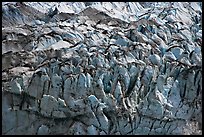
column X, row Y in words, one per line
column 101, row 68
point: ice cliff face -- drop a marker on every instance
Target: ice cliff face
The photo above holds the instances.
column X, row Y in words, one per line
column 101, row 68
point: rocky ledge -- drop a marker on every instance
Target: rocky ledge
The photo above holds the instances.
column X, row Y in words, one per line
column 98, row 68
